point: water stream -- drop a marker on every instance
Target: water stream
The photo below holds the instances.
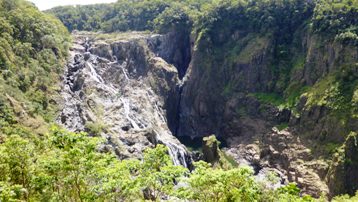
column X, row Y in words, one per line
column 127, row 113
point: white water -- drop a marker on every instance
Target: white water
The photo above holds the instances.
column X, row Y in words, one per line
column 111, row 89
column 178, row 154
column 127, row 111
column 176, row 151
column 94, row 74
column 158, row 112
column 156, row 107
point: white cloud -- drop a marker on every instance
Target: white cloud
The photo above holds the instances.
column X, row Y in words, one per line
column 47, row 4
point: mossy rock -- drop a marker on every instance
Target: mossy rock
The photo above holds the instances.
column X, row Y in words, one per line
column 343, row 173
column 212, row 154
column 211, row 149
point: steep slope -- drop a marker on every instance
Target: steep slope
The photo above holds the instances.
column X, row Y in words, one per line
column 244, row 80
column 116, row 87
column 33, row 47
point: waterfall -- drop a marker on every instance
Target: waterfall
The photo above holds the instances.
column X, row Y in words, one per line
column 111, row 89
column 105, row 91
column 156, row 107
column 127, row 111
column 160, row 114
column 94, row 74
column 178, row 154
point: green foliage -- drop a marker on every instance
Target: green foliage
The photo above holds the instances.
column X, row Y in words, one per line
column 276, row 17
column 95, row 128
column 158, row 174
column 66, row 166
column 120, row 16
column 282, row 126
column 208, row 184
column 346, row 198
column 337, row 92
column 205, row 14
column 173, row 17
column 337, row 17
column 269, row 98
column 293, row 93
column 330, row 148
column 82, row 17
column 33, row 47
column 290, row 192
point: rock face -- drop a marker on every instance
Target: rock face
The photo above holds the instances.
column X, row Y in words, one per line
column 219, row 91
column 214, row 95
column 174, row 48
column 286, row 152
column 220, row 95
column 119, row 89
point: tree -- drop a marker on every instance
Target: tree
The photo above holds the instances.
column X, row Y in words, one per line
column 157, row 174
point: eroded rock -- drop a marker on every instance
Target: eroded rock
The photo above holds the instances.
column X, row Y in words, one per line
column 119, row 90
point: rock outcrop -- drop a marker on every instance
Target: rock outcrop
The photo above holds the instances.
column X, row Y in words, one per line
column 342, row 175
column 211, row 149
column 118, row 88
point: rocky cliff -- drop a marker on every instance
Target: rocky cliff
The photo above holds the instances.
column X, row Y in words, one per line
column 118, row 87
column 245, row 85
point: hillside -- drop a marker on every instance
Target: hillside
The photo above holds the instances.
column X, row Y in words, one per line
column 84, row 116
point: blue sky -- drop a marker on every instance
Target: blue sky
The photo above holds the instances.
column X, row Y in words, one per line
column 47, row 4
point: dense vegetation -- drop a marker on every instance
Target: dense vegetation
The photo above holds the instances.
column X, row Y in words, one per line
column 338, row 17
column 333, row 16
column 65, row 166
column 33, row 47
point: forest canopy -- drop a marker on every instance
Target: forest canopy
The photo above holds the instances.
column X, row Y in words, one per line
column 33, row 48
column 64, row 166
column 337, row 17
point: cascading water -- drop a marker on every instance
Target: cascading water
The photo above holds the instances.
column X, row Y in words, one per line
column 127, row 111
column 94, row 74
column 98, row 90
column 178, row 154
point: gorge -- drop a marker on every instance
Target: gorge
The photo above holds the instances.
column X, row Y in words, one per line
column 126, row 87
column 253, row 101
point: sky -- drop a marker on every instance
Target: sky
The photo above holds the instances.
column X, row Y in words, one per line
column 47, row 4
